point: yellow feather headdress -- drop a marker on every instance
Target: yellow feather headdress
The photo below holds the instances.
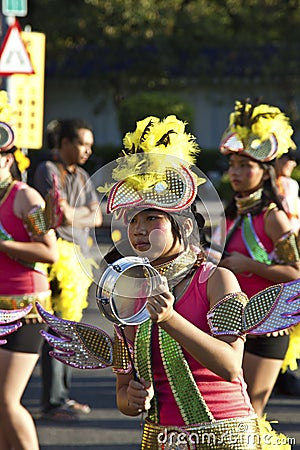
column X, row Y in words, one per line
column 7, row 114
column 6, row 118
column 6, row 110
column 259, row 131
column 155, row 169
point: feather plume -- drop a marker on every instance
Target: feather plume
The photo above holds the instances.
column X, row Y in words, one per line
column 72, row 298
column 261, row 121
column 152, row 148
column 7, row 112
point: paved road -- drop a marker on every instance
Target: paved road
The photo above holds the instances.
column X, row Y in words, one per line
column 107, row 429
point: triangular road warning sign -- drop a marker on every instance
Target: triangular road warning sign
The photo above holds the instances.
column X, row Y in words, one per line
column 14, row 57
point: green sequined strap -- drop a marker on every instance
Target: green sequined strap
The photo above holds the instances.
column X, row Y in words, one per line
column 4, row 235
column 142, row 360
column 182, row 383
column 252, row 242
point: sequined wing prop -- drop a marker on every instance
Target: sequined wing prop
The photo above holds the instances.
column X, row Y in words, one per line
column 273, row 309
column 9, row 316
column 77, row 344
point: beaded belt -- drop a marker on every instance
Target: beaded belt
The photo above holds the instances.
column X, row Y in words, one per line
column 240, row 433
column 20, row 301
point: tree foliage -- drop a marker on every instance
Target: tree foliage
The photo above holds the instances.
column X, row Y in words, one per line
column 126, row 45
column 140, row 105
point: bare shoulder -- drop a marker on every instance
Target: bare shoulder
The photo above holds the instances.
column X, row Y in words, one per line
column 276, row 223
column 222, row 282
column 26, row 199
column 222, row 274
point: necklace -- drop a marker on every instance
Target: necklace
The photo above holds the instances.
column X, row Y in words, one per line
column 177, row 269
column 249, row 203
column 4, row 185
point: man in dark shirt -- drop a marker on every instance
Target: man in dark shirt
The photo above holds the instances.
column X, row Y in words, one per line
column 80, row 210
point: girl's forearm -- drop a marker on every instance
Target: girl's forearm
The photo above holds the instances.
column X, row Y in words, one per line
column 278, row 273
column 30, row 251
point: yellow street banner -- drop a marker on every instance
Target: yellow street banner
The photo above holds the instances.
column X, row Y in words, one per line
column 26, row 94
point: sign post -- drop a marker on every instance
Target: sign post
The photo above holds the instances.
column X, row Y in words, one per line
column 14, row 57
column 26, row 94
column 16, row 8
column 22, row 61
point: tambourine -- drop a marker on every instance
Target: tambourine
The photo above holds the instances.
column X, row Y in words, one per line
column 6, row 136
column 123, row 290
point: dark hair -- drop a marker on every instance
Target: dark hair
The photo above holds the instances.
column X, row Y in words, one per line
column 68, row 128
column 270, row 193
column 177, row 220
column 51, row 134
column 15, row 171
column 290, row 154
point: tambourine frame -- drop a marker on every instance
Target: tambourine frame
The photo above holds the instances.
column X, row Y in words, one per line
column 6, row 136
column 105, row 295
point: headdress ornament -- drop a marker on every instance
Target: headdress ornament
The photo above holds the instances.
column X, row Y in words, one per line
column 7, row 135
column 155, row 168
column 259, row 131
column 6, row 117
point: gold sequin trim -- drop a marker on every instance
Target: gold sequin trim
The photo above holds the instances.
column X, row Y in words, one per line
column 226, row 316
column 245, row 204
column 286, row 249
column 20, row 301
column 240, row 433
column 176, row 269
column 36, row 222
column 121, row 362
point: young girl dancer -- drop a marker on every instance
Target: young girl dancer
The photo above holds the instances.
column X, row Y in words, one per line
column 261, row 246
column 188, row 353
column 25, row 239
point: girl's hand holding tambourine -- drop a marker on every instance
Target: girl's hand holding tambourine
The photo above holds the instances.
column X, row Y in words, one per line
column 160, row 306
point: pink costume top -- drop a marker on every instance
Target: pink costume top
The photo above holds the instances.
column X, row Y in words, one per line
column 224, row 399
column 250, row 283
column 16, row 278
